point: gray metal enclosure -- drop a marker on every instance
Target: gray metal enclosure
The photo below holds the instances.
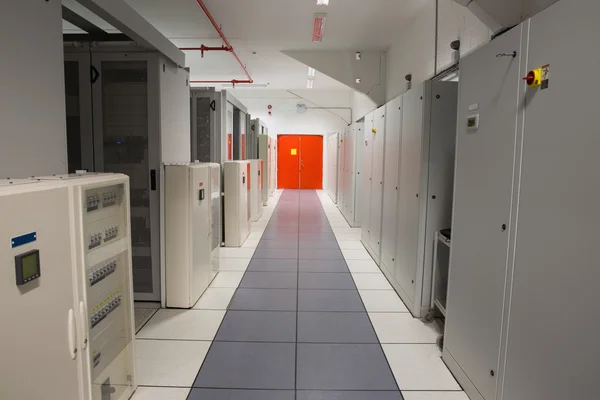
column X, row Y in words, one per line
column 523, row 305
column 351, row 165
column 417, row 187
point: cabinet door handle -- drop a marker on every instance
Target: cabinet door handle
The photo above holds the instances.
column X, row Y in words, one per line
column 72, row 331
column 152, row 179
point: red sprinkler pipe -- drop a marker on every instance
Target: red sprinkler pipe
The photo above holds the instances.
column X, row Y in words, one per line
column 226, row 47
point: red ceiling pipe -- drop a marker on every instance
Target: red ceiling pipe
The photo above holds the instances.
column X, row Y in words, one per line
column 226, row 47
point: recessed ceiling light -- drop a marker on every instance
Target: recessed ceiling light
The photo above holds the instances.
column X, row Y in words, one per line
column 311, row 72
column 358, row 80
column 319, row 27
column 310, row 84
column 322, row 2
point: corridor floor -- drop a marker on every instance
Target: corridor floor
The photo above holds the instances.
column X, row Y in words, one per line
column 300, row 312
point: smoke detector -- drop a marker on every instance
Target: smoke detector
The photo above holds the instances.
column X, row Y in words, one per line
column 301, row 108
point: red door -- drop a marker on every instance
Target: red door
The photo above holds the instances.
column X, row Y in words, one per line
column 299, row 162
column 288, row 171
column 311, row 162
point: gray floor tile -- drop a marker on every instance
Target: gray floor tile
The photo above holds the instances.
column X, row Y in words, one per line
column 325, row 281
column 316, row 236
column 264, row 300
column 334, row 265
column 354, row 395
column 266, row 244
column 335, row 327
column 281, row 229
column 321, row 254
column 270, row 280
column 258, row 326
column 343, row 367
column 279, row 235
column 319, row 244
column 330, row 300
column 276, row 253
column 273, row 265
column 231, row 365
column 241, row 394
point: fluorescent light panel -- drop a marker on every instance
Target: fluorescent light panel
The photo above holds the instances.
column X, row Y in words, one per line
column 310, row 84
column 311, row 72
column 319, row 27
column 322, row 2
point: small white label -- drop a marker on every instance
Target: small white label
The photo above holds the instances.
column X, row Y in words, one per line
column 474, row 107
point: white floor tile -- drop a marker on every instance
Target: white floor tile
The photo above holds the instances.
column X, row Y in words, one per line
column 253, row 236
column 183, row 325
column 371, row 282
column 403, row 328
column 215, row 299
column 435, row 396
column 234, row 264
column 419, row 367
column 361, row 254
column 160, row 393
column 142, row 315
column 362, row 266
column 376, row 301
column 346, row 231
column 236, row 252
column 169, row 362
column 344, row 237
column 250, row 243
column 351, row 245
column 227, row 279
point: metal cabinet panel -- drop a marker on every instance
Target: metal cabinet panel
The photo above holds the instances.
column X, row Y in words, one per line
column 409, row 191
column 359, row 172
column 365, row 194
column 482, row 210
column 377, row 181
column 349, row 179
column 552, row 348
column 393, row 135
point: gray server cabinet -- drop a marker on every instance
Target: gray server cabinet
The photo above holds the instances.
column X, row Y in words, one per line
column 264, row 153
column 353, row 153
column 124, row 106
column 365, row 195
column 332, row 166
column 424, row 187
column 252, row 138
column 342, row 168
column 376, row 195
column 393, row 136
column 542, row 298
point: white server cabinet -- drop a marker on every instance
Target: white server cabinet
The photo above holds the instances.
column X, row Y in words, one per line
column 341, row 171
column 535, row 273
column 265, row 154
column 332, row 166
column 188, row 233
column 376, row 195
column 216, row 216
column 256, row 188
column 132, row 118
column 272, row 165
column 70, row 248
column 367, row 149
column 357, row 166
column 425, row 181
column 237, row 205
column 393, row 137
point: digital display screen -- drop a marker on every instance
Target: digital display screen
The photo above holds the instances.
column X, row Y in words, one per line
column 30, row 265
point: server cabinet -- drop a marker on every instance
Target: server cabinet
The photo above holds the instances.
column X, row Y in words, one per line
column 272, row 164
column 365, row 194
column 542, row 288
column 358, row 167
column 377, row 183
column 393, row 136
column 479, row 253
column 252, row 138
column 264, row 153
column 341, row 172
column 332, row 166
column 206, row 111
column 424, row 187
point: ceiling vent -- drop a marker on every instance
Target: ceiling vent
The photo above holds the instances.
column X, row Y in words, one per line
column 500, row 15
column 319, row 27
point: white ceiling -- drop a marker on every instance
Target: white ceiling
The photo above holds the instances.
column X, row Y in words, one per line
column 268, row 27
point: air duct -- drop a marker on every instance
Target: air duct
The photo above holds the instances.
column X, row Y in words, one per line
column 502, row 14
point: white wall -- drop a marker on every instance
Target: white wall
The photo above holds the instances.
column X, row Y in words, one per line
column 361, row 105
column 33, row 138
column 414, row 52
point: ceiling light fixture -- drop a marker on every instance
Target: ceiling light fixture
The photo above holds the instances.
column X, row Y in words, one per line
column 310, row 84
column 311, row 72
column 322, row 2
column 319, row 27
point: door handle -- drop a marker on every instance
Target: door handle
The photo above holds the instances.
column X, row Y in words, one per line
column 94, row 74
column 152, row 179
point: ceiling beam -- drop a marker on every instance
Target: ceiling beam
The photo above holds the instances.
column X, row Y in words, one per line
column 92, row 37
column 120, row 15
column 80, row 22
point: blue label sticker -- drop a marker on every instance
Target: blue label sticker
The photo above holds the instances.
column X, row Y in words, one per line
column 23, row 239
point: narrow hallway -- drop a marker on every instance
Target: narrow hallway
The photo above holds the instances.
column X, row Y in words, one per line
column 306, row 316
